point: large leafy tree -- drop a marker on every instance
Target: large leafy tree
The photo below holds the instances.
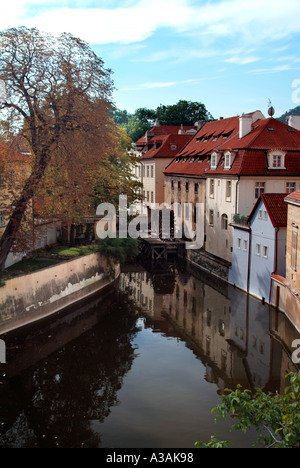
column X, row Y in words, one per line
column 54, row 87
column 184, row 112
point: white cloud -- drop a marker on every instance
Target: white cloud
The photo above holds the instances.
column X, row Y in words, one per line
column 254, row 21
column 162, row 84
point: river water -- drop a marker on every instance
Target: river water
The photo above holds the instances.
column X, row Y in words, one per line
column 142, row 367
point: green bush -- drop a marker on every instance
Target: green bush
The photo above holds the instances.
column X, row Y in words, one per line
column 120, row 250
column 276, row 417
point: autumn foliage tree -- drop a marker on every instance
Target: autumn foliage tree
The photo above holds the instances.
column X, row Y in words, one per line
column 58, row 97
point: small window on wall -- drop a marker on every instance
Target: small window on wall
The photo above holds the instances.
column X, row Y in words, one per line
column 224, row 222
column 259, row 189
column 294, row 253
column 228, row 190
column 211, row 188
column 290, row 187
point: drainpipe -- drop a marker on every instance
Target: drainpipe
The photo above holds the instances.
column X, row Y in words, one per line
column 249, row 257
column 276, row 262
column 236, row 195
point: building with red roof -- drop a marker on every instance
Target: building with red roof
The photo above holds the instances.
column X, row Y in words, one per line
column 155, row 150
column 259, row 246
column 234, row 160
column 286, row 287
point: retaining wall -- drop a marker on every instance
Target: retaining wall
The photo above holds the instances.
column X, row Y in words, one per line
column 31, row 297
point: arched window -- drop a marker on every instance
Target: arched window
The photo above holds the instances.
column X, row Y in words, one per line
column 224, row 221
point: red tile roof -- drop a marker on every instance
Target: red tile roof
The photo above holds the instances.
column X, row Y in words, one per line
column 276, row 207
column 162, row 130
column 249, row 152
column 295, row 196
column 168, row 147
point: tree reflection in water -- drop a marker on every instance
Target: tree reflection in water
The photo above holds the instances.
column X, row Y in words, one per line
column 54, row 403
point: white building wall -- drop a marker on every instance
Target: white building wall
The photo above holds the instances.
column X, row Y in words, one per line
column 238, row 273
column 247, row 186
column 221, row 203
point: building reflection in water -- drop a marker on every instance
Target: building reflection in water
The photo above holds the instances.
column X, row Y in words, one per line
column 238, row 339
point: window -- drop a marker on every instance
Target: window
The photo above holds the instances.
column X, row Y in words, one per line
column 227, row 161
column 258, row 250
column 172, row 184
column 148, row 167
column 211, row 188
column 276, row 160
column 265, row 251
column 2, row 219
column 213, row 162
column 211, row 217
column 294, row 248
column 186, row 186
column 152, row 197
column 152, row 171
column 259, row 189
column 228, row 190
column 148, row 196
column 179, row 186
column 245, row 246
column 196, row 188
column 290, row 187
column 224, row 222
column 239, row 243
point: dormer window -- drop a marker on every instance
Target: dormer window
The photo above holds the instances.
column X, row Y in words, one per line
column 173, row 147
column 215, row 157
column 227, row 161
column 276, row 160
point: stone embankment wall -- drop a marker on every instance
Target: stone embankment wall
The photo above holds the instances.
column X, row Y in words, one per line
column 26, row 299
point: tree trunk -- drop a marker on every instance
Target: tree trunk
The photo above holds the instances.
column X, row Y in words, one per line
column 12, row 228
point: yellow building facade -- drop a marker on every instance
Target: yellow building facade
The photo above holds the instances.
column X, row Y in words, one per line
column 286, row 291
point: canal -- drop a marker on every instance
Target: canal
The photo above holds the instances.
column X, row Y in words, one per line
column 142, row 367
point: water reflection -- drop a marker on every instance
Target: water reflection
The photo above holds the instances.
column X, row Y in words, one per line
column 141, row 367
column 239, row 339
column 82, row 362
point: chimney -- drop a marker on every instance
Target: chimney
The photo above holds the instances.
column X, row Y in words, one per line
column 181, row 131
column 245, row 125
column 294, row 121
column 199, row 124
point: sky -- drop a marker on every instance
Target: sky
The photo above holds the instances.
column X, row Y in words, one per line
column 231, row 55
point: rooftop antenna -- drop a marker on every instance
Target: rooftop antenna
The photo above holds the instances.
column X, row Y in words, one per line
column 271, row 110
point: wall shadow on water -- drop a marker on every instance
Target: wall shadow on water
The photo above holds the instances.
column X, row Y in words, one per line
column 239, row 339
column 63, row 374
